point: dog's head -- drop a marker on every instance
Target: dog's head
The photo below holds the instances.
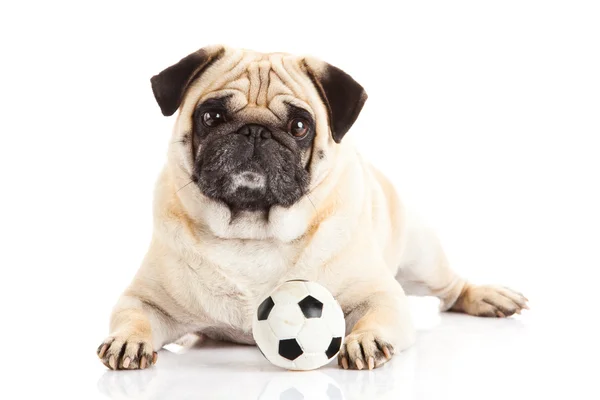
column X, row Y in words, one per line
column 256, row 130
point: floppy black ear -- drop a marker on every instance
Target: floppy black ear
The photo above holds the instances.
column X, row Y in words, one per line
column 170, row 85
column 342, row 95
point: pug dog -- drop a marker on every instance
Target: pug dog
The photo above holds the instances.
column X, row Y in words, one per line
column 261, row 186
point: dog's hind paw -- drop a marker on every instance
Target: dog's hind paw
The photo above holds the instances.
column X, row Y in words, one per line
column 490, row 301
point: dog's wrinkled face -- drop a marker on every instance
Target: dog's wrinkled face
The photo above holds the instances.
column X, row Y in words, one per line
column 254, row 126
column 248, row 159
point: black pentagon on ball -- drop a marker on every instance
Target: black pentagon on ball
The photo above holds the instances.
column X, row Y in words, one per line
column 334, row 347
column 265, row 309
column 290, row 349
column 311, row 307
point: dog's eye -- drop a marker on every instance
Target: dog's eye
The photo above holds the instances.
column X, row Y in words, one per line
column 212, row 118
column 298, row 127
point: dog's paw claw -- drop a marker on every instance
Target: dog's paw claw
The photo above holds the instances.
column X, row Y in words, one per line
column 371, row 363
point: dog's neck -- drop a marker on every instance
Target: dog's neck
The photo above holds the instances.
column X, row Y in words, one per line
column 279, row 223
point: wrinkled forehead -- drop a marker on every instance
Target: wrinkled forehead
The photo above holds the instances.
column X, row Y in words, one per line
column 264, row 83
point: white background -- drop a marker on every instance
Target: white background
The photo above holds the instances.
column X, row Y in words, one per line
column 486, row 114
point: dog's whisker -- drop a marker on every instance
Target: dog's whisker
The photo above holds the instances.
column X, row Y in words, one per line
column 311, row 202
column 184, row 186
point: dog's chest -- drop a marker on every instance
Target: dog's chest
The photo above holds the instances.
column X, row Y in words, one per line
column 233, row 277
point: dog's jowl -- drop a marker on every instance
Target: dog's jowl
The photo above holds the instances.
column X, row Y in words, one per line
column 263, row 185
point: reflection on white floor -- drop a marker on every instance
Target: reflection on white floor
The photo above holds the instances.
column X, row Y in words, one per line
column 455, row 356
column 224, row 371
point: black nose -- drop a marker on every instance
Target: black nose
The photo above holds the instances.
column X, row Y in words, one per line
column 255, row 131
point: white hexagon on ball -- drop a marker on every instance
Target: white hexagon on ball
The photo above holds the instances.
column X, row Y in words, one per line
column 299, row 326
column 314, row 336
column 286, row 320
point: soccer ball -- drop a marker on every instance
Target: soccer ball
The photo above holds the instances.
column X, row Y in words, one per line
column 300, row 326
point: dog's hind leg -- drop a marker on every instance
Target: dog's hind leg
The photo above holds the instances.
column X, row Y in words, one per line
column 424, row 271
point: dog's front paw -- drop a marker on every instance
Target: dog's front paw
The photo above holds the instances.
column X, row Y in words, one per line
column 490, row 301
column 364, row 350
column 126, row 352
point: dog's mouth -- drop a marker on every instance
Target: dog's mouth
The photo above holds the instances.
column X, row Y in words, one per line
column 250, row 187
column 246, row 190
column 251, row 181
